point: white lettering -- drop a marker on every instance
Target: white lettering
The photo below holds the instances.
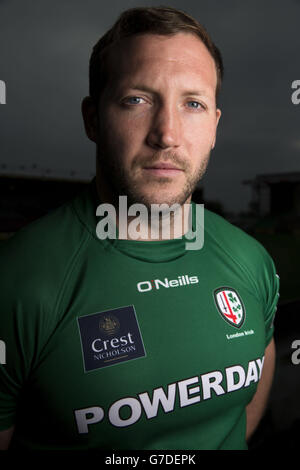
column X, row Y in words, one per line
column 141, row 221
column 231, row 385
column 248, row 332
column 114, row 343
column 252, row 374
column 207, row 384
column 184, row 392
column 182, row 281
column 114, row 412
column 130, row 338
column 116, row 460
column 296, row 94
column 158, row 281
column 167, row 402
column 83, row 421
column 295, row 356
column 119, row 416
column 94, row 347
column 128, row 349
column 123, row 340
column 161, row 221
column 109, row 221
column 2, row 352
column 148, row 284
column 235, row 335
column 260, row 363
column 122, row 222
column 2, row 92
column 198, row 234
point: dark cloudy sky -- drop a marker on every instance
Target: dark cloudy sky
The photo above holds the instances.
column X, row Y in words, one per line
column 44, row 52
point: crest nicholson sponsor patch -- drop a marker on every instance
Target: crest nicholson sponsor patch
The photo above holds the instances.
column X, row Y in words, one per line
column 230, row 306
column 110, row 337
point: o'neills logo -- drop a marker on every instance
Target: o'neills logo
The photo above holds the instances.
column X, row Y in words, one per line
column 185, row 280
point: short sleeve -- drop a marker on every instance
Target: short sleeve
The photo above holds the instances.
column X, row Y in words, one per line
column 10, row 377
column 271, row 295
column 21, row 327
column 13, row 373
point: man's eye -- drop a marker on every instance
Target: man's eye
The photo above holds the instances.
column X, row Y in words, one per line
column 194, row 105
column 133, row 100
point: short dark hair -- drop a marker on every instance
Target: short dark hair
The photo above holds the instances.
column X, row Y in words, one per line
column 165, row 21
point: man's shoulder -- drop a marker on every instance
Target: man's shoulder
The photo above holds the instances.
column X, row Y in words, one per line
column 234, row 241
column 40, row 252
column 36, row 265
column 44, row 232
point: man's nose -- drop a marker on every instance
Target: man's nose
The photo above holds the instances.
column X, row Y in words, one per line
column 165, row 131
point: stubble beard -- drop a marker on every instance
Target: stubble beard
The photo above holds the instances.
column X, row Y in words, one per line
column 118, row 182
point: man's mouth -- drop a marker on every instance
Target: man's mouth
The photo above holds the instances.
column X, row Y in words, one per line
column 163, row 169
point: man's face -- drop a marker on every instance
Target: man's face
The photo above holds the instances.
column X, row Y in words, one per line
column 157, row 118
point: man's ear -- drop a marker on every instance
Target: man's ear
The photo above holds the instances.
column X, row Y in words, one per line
column 90, row 118
column 218, row 115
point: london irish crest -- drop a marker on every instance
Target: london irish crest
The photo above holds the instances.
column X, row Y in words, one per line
column 230, row 306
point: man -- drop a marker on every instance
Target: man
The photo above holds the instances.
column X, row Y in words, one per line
column 139, row 344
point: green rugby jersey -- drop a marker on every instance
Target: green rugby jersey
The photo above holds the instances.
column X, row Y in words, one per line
column 123, row 344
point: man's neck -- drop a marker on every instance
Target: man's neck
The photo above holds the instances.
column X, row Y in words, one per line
column 150, row 223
